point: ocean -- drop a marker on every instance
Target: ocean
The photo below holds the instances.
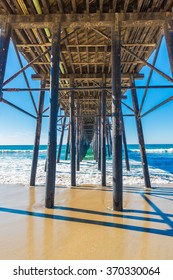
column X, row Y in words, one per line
column 16, row 163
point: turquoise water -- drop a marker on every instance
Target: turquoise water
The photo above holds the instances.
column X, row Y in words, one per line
column 159, row 155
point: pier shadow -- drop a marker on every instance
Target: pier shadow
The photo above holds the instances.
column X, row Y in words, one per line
column 129, row 214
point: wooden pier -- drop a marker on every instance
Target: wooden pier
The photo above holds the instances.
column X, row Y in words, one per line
column 86, row 54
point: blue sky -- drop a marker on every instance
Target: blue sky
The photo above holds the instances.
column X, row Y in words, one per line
column 18, row 128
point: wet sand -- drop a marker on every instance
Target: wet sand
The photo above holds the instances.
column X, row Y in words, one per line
column 83, row 225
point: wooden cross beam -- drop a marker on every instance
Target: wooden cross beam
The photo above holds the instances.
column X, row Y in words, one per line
column 86, row 20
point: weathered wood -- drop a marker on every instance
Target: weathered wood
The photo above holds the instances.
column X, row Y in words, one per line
column 24, row 68
column 90, row 76
column 37, row 136
column 4, row 44
column 116, row 120
column 107, row 141
column 68, row 143
column 109, row 136
column 72, row 137
column 61, row 140
column 125, row 144
column 140, row 137
column 150, row 74
column 103, row 136
column 52, row 140
column 16, row 107
column 86, row 20
column 169, row 43
column 157, row 106
column 24, row 74
column 99, row 141
column 78, row 135
column 63, row 49
column 94, row 89
column 149, row 65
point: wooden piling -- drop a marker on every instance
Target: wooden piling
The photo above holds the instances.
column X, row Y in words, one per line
column 103, row 137
column 140, row 136
column 67, row 143
column 110, row 136
column 61, row 140
column 125, row 144
column 116, row 119
column 99, row 141
column 78, row 136
column 4, row 44
column 72, row 137
column 52, row 139
column 107, row 140
column 37, row 135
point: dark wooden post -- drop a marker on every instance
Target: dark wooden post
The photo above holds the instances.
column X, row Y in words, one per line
column 110, row 136
column 52, row 139
column 169, row 43
column 140, row 135
column 67, row 144
column 99, row 142
column 61, row 140
column 5, row 32
column 103, row 135
column 78, row 135
column 116, row 119
column 125, row 145
column 37, row 135
column 72, row 137
column 99, row 134
column 107, row 140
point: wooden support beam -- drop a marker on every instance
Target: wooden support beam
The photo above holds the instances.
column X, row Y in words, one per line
column 16, row 107
column 61, row 140
column 4, row 44
column 52, row 140
column 24, row 74
column 25, row 67
column 125, row 144
column 169, row 43
column 157, row 106
column 103, row 136
column 87, row 20
column 99, row 137
column 116, row 119
column 149, row 65
column 78, row 122
column 150, row 74
column 99, row 76
column 37, row 136
column 67, row 144
column 90, row 88
column 72, row 137
column 109, row 125
column 107, row 141
column 140, row 137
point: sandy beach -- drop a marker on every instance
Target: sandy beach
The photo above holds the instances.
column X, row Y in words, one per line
column 83, row 225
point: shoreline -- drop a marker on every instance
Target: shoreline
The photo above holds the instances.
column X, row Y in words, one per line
column 19, row 173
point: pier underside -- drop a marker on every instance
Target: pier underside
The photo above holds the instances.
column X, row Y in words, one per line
column 82, row 221
column 86, row 54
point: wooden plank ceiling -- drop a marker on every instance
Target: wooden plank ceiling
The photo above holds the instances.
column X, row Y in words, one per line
column 86, row 53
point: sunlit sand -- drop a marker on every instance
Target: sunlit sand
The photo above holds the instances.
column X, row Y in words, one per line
column 83, row 225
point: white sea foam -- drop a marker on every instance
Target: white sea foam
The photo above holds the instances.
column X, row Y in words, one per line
column 154, row 151
column 7, row 151
column 17, row 171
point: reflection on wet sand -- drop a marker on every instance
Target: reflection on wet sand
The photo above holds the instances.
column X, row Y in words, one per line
column 83, row 225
